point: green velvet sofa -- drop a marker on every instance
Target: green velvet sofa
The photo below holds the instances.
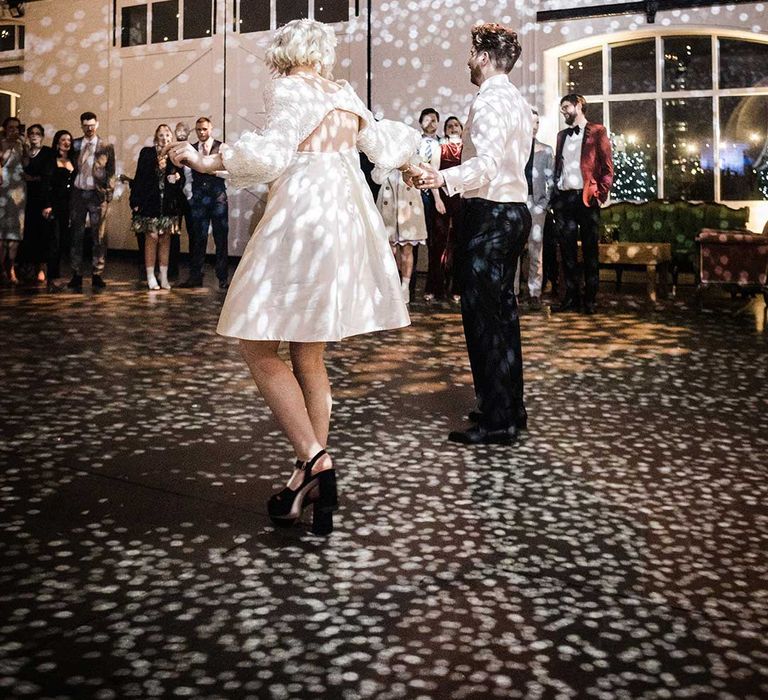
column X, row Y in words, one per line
column 677, row 223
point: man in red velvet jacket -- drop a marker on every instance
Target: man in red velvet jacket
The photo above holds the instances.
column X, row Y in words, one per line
column 583, row 179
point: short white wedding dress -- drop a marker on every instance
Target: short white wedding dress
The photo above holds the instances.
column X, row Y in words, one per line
column 318, row 266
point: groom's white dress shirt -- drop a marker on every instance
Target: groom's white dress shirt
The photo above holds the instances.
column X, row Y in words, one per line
column 497, row 142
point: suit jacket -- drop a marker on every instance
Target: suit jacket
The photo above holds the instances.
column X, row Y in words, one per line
column 103, row 166
column 596, row 163
column 205, row 183
column 541, row 169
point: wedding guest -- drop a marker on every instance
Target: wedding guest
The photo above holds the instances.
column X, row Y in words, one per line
column 155, row 202
column 429, row 152
column 539, row 173
column 440, row 278
column 181, row 132
column 311, row 272
column 58, row 192
column 209, row 210
column 12, row 196
column 35, row 250
column 94, row 185
column 583, row 179
column 402, row 209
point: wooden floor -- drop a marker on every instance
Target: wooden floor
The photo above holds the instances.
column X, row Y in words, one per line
column 617, row 551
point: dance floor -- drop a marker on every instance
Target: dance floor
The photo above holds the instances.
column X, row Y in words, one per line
column 617, row 551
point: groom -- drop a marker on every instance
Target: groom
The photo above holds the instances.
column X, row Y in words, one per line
column 491, row 180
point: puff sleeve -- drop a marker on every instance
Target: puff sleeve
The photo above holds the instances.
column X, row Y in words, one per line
column 258, row 158
column 388, row 144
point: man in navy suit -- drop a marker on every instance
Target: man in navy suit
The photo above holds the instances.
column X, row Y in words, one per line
column 209, row 209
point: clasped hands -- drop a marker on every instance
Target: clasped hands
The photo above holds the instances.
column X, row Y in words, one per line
column 423, row 176
column 183, row 153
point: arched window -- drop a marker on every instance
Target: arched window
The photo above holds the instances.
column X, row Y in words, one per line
column 687, row 114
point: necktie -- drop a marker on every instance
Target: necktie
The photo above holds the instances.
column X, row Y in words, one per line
column 428, row 151
column 85, row 152
column 205, row 149
column 574, row 130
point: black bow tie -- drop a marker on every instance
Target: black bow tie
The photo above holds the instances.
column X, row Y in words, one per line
column 574, row 130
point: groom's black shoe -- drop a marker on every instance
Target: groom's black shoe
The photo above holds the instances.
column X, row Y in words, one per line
column 477, row 435
column 521, row 423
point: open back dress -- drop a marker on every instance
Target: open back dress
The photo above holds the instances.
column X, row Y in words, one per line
column 318, row 266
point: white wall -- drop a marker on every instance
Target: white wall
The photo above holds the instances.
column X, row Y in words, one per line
column 418, row 59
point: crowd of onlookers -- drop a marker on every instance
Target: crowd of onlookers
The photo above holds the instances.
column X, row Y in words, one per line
column 50, row 196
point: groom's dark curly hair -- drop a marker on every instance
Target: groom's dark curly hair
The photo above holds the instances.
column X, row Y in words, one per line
column 500, row 42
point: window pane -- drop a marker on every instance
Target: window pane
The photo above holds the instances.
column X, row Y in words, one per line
column 165, row 21
column 633, row 67
column 134, row 26
column 291, row 9
column 254, row 16
column 743, row 63
column 687, row 63
column 331, row 10
column 744, row 147
column 583, row 75
column 7, row 37
column 633, row 135
column 594, row 112
column 688, row 153
column 198, row 18
column 21, row 36
column 5, row 106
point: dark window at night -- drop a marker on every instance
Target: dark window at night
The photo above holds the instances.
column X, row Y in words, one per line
column 689, row 168
column 134, row 26
column 584, row 75
column 633, row 67
column 5, row 106
column 198, row 19
column 687, row 63
column 331, row 10
column 165, row 21
column 291, row 9
column 7, row 37
column 743, row 147
column 743, row 64
column 254, row 16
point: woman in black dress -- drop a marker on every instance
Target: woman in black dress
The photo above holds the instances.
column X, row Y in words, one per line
column 58, row 191
column 37, row 229
column 155, row 204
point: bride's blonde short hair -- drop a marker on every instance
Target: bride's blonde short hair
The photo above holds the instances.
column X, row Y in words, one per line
column 302, row 42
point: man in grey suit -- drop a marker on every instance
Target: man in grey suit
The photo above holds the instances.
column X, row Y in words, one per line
column 94, row 163
column 540, row 173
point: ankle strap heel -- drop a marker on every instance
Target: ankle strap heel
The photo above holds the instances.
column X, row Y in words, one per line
column 327, row 500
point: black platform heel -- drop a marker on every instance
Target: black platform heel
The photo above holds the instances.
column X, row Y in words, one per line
column 327, row 498
column 284, row 507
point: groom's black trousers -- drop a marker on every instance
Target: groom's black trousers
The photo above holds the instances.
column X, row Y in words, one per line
column 493, row 236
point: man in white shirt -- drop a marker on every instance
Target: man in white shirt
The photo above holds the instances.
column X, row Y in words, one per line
column 94, row 164
column 209, row 210
column 583, row 180
column 429, row 152
column 491, row 180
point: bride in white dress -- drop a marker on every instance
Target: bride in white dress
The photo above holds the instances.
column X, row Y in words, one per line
column 318, row 267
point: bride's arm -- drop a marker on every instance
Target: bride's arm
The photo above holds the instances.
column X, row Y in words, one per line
column 256, row 158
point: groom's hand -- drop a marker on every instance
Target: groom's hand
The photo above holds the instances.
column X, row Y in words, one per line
column 430, row 179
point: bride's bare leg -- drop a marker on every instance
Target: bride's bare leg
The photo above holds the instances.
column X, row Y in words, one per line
column 310, row 372
column 282, row 392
